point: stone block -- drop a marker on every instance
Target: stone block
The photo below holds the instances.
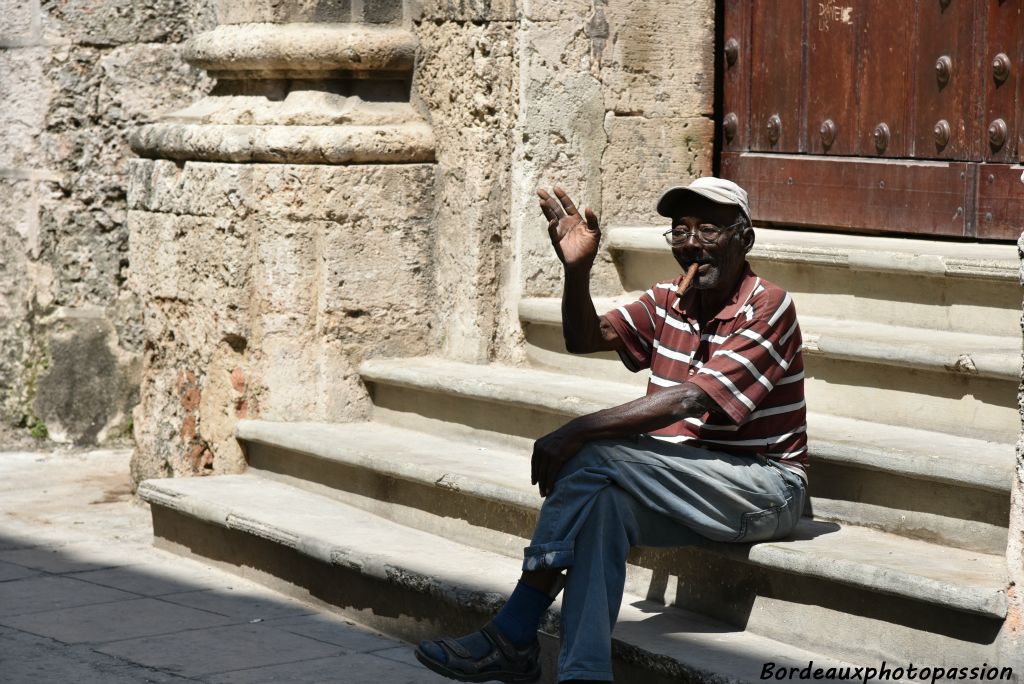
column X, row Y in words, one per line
column 22, row 596
column 90, row 386
column 114, row 621
column 25, row 94
column 658, row 58
column 238, row 647
column 294, row 192
column 18, row 235
column 18, row 228
column 194, row 188
column 283, row 11
column 381, row 11
column 467, row 80
column 18, row 21
column 284, row 274
column 580, row 11
column 174, row 261
column 116, row 22
column 141, row 83
column 467, row 10
column 644, row 157
column 561, row 141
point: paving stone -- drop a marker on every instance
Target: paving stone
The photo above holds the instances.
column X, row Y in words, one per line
column 53, row 560
column 29, row 658
column 356, row 667
column 242, row 604
column 157, row 580
column 335, row 630
column 10, row 571
column 222, row 649
column 400, row 654
column 81, row 667
column 43, row 593
column 106, row 622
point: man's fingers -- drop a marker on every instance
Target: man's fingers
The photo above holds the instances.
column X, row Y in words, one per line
column 554, row 232
column 549, row 213
column 549, row 203
column 567, row 203
column 592, row 221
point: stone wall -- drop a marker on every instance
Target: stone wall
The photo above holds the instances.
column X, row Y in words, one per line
column 616, row 100
column 76, row 76
column 282, row 230
column 1015, row 536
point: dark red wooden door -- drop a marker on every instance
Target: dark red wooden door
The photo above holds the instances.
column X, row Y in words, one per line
column 877, row 115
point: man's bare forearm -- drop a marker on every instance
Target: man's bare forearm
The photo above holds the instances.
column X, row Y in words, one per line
column 642, row 415
column 581, row 326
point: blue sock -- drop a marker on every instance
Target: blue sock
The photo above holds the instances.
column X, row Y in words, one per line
column 518, row 620
column 520, row 616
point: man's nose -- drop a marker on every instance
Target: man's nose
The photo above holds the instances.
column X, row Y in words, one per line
column 690, row 240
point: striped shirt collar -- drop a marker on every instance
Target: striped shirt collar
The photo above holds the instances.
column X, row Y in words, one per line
column 748, row 282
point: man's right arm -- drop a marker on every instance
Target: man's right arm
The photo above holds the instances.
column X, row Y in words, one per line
column 584, row 331
column 575, row 239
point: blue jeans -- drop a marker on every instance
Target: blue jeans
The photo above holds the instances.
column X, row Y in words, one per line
column 615, row 494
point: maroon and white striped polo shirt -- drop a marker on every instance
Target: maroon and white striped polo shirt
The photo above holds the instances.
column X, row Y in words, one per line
column 747, row 359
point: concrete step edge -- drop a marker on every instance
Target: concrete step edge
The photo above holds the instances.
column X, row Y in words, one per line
column 332, row 442
column 856, row 252
column 918, row 453
column 680, row 645
column 933, row 350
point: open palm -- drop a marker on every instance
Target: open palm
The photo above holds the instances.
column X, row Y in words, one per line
column 574, row 237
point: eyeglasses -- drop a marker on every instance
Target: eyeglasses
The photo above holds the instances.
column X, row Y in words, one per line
column 707, row 233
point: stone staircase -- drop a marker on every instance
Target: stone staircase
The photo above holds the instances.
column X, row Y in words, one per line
column 415, row 522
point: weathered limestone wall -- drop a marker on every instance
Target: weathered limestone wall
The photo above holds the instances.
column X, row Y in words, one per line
column 1015, row 540
column 265, row 286
column 585, row 93
column 616, row 100
column 282, row 230
column 278, row 254
column 76, row 76
column 467, row 83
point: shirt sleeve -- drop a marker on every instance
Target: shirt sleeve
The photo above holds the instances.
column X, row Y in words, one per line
column 636, row 325
column 751, row 360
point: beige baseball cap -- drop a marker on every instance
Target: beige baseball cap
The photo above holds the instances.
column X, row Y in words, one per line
column 717, row 190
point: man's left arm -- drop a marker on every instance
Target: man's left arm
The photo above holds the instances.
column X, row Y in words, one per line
column 738, row 376
column 641, row 415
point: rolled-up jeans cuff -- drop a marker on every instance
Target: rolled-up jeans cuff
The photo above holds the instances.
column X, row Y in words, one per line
column 545, row 556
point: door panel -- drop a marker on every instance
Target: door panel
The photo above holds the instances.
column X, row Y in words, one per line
column 776, row 75
column 735, row 65
column 1002, row 45
column 877, row 115
column 885, row 76
column 946, row 121
column 832, row 81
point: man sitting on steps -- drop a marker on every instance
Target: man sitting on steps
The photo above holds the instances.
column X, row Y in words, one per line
column 716, row 449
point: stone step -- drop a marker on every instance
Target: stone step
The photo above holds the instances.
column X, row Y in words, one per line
column 964, row 287
column 959, row 383
column 425, row 481
column 904, row 480
column 941, row 351
column 416, row 585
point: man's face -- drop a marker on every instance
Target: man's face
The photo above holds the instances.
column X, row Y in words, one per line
column 721, row 263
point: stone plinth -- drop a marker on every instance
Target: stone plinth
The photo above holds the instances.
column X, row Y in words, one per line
column 280, row 234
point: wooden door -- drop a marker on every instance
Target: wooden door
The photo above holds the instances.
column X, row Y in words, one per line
column 877, row 115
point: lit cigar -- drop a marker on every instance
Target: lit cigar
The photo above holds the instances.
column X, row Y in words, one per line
column 687, row 279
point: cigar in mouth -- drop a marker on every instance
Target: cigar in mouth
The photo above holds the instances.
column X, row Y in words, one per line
column 691, row 273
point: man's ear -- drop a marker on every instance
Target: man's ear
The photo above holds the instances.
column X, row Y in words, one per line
column 748, row 238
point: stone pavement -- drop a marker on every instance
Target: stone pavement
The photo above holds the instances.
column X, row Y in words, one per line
column 85, row 598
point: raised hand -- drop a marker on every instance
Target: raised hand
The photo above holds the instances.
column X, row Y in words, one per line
column 574, row 237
